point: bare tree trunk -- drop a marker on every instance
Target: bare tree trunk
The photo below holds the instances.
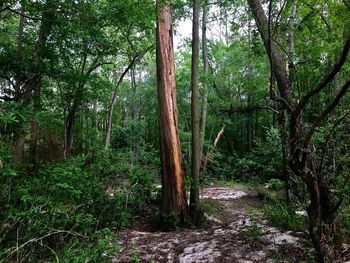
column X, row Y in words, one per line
column 19, row 140
column 250, row 115
column 173, row 200
column 282, row 120
column 195, row 164
column 110, row 120
column 34, row 77
column 205, row 84
column 34, row 136
column 210, row 151
column 114, row 97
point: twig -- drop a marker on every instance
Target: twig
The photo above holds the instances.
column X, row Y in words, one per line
column 43, row 237
column 329, row 77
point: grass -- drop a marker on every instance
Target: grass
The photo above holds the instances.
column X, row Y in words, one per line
column 213, row 208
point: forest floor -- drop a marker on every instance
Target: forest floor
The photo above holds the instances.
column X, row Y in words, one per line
column 236, row 232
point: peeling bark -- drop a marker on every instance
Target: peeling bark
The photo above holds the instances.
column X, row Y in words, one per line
column 173, row 200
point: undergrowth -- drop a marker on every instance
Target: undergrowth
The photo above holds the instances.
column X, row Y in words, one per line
column 68, row 211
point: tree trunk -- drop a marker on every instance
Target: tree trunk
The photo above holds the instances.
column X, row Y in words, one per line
column 205, row 84
column 173, row 199
column 19, row 139
column 195, row 160
column 34, row 136
column 114, row 99
column 35, row 75
column 110, row 119
column 282, row 120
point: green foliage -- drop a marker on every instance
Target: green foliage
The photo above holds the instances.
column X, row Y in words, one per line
column 275, row 184
column 100, row 246
column 167, row 221
column 255, row 233
column 261, row 164
column 283, row 217
column 65, row 204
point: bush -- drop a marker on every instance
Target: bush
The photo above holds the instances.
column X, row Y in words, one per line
column 283, row 217
column 262, row 164
column 275, row 184
column 65, row 206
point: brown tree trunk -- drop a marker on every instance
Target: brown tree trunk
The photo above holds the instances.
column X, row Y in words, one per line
column 19, row 139
column 195, row 160
column 205, row 85
column 282, row 120
column 173, row 200
column 34, row 77
column 34, row 136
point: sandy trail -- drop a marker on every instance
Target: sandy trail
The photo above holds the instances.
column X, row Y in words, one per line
column 230, row 238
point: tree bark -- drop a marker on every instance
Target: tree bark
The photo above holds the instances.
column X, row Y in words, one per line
column 19, row 139
column 173, row 199
column 195, row 160
column 205, row 85
column 33, row 83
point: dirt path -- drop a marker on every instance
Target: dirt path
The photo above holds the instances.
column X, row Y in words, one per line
column 234, row 235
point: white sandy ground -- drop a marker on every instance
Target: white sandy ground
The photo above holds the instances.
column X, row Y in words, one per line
column 217, row 244
column 222, row 193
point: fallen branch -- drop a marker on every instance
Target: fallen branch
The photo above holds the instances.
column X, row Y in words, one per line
column 210, row 151
column 43, row 237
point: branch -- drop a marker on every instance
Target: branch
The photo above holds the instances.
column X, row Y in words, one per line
column 257, row 108
column 210, row 151
column 276, row 98
column 43, row 237
column 136, row 58
column 330, row 76
column 324, row 114
column 4, row 9
column 336, row 123
column 7, row 98
column 347, row 4
column 23, row 14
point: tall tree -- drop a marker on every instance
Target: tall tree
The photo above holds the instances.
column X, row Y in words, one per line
column 33, row 82
column 204, row 106
column 195, row 165
column 173, row 188
column 322, row 211
column 19, row 139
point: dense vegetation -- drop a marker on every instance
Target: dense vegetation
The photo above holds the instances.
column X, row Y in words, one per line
column 80, row 148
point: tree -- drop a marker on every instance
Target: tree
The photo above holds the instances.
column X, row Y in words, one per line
column 322, row 211
column 173, row 200
column 33, row 82
column 203, row 119
column 195, row 165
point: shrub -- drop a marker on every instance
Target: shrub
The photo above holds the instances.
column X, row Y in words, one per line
column 275, row 184
column 283, row 217
column 65, row 206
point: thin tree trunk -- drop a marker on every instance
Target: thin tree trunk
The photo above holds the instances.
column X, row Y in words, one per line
column 250, row 115
column 205, row 83
column 114, row 97
column 173, row 199
column 195, row 164
column 34, row 136
column 210, row 151
column 19, row 140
